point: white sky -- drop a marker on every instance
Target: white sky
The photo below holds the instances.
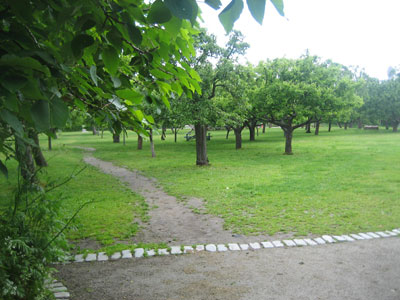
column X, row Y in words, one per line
column 362, row 33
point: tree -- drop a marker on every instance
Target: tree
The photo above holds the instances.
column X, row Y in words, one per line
column 233, row 100
column 294, row 93
column 390, row 103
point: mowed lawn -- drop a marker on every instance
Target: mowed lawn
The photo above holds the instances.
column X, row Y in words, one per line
column 335, row 183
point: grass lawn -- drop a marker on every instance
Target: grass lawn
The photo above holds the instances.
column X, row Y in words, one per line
column 335, row 183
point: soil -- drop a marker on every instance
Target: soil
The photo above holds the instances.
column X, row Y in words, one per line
column 171, row 221
column 357, row 270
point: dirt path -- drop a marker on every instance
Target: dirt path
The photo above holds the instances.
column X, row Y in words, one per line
column 358, row 270
column 170, row 221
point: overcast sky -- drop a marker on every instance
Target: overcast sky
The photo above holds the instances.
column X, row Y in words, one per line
column 362, row 33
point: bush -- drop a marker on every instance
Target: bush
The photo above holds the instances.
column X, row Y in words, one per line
column 30, row 239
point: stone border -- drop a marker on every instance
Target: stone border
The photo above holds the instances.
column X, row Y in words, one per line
column 58, row 289
column 175, row 250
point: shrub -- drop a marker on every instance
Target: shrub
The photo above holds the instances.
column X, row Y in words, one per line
column 30, row 238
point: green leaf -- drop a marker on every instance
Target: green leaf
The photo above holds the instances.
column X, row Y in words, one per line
column 159, row 13
column 12, row 120
column 80, row 42
column 131, row 95
column 40, row 113
column 23, row 63
column 135, row 34
column 110, row 59
column 216, row 4
column 59, row 113
column 173, row 26
column 13, row 82
column 230, row 14
column 183, row 9
column 160, row 74
column 93, row 74
column 279, row 6
column 11, row 102
column 3, row 169
column 257, row 9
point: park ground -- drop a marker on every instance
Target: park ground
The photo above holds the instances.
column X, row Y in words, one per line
column 336, row 183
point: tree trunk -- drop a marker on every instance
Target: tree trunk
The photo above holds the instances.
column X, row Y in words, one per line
column 257, row 129
column 175, row 133
column 359, row 123
column 263, row 125
column 228, row 129
column 238, row 135
column 351, row 124
column 339, row 124
column 252, row 128
column 49, row 142
column 308, row 128
column 153, row 153
column 123, row 138
column 36, row 151
column 317, row 127
column 115, row 138
column 23, row 153
column 201, row 145
column 288, row 144
column 387, row 125
column 139, row 142
column 395, row 126
column 163, row 133
column 102, row 131
column 329, row 126
column 345, row 126
column 94, row 130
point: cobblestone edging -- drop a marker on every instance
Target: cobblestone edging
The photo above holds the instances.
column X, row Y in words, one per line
column 175, row 250
column 58, row 289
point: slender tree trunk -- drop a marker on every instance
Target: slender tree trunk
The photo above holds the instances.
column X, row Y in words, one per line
column 153, row 153
column 339, row 124
column 252, row 128
column 102, row 132
column 288, row 143
column 123, row 138
column 175, row 133
column 139, row 142
column 116, row 138
column 49, row 142
column 263, row 125
column 308, row 128
column 201, row 145
column 257, row 129
column 228, row 129
column 395, row 126
column 238, row 136
column 94, row 130
column 317, row 127
column 329, row 126
column 36, row 151
column 345, row 125
column 163, row 133
column 387, row 125
column 359, row 123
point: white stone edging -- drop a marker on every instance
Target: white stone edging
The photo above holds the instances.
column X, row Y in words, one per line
column 175, row 250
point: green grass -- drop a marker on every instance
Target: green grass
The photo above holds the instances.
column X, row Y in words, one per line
column 113, row 209
column 335, row 183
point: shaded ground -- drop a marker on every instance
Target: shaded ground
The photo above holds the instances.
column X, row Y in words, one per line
column 171, row 221
column 357, row 270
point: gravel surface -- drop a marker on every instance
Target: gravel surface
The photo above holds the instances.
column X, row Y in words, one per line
column 358, row 270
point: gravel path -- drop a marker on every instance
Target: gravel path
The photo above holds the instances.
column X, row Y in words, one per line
column 358, row 270
column 171, row 221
